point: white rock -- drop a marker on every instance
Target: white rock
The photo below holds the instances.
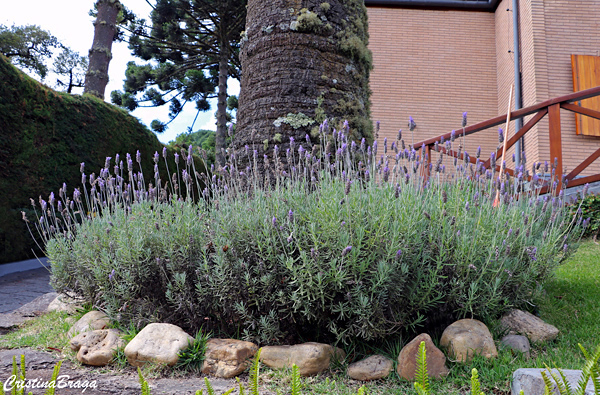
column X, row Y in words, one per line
column 91, row 321
column 159, row 343
column 374, row 367
column 311, row 358
column 97, row 348
column 465, row 338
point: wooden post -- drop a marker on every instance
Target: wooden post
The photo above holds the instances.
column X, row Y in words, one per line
column 555, row 142
column 426, row 163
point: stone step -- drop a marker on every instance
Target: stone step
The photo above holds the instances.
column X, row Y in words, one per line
column 531, row 382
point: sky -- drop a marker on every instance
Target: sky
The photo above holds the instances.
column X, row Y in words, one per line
column 68, row 20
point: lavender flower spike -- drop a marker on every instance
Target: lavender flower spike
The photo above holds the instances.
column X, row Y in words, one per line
column 274, row 221
column 111, row 275
column 411, row 124
column 464, row 119
column 398, row 254
column 346, row 250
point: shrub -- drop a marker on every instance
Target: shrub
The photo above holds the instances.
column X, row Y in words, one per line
column 590, row 208
column 344, row 245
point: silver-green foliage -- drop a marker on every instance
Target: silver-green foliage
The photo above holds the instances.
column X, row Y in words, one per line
column 341, row 240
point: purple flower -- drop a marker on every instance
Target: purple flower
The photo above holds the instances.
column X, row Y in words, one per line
column 399, row 134
column 346, row 250
column 565, row 247
column 307, row 137
column 398, row 254
column 464, row 119
column 111, row 275
column 176, row 158
column 291, row 216
column 411, row 124
column 81, row 167
column 343, row 223
column 289, row 239
column 138, row 157
column 478, row 153
column 453, row 135
column 467, row 206
column 500, row 135
column 274, row 221
column 164, row 152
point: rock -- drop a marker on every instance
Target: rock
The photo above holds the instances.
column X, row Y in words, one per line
column 517, row 343
column 311, row 358
column 159, row 343
column 407, row 359
column 531, row 382
column 10, row 321
column 468, row 337
column 91, row 321
column 97, row 348
column 64, row 303
column 227, row 358
column 372, row 368
column 524, row 323
column 37, row 306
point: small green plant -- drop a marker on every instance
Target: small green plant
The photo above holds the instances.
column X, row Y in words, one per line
column 591, row 370
column 590, row 208
column 143, row 383
column 421, row 376
column 17, row 382
column 192, row 358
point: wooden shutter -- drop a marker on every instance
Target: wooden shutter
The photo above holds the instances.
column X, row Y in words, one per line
column 586, row 74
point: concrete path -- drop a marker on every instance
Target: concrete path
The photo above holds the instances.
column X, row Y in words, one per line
column 17, row 289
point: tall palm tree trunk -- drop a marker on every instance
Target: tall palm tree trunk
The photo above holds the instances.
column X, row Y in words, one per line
column 302, row 61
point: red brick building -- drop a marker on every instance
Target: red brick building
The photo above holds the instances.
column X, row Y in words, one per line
column 433, row 60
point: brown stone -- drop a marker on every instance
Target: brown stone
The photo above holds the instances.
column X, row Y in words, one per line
column 524, row 323
column 374, row 367
column 159, row 343
column 91, row 321
column 311, row 358
column 465, row 338
column 97, row 348
column 227, row 358
column 407, row 359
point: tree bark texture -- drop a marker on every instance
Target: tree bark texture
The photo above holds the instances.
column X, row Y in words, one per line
column 221, row 134
column 100, row 54
column 302, row 61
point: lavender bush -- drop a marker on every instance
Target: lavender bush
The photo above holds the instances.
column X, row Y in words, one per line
column 332, row 241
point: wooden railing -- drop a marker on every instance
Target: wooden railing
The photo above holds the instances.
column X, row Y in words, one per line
column 549, row 107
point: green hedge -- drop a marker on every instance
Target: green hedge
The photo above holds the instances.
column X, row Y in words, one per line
column 44, row 135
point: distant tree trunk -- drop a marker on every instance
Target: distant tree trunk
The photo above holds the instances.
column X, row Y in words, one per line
column 100, row 54
column 221, row 134
column 302, row 61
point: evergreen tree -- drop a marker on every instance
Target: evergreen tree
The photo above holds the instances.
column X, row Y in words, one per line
column 191, row 48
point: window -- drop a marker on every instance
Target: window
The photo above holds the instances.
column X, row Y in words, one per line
column 586, row 74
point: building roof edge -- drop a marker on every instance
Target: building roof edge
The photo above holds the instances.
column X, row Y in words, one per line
column 475, row 5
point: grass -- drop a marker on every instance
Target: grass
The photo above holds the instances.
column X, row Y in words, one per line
column 46, row 332
column 570, row 303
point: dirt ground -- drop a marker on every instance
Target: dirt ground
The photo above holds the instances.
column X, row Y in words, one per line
column 96, row 381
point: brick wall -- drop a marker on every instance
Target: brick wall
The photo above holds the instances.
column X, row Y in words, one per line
column 434, row 64
column 418, row 73
column 570, row 27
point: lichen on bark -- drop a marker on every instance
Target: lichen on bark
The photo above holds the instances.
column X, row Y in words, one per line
column 303, row 57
